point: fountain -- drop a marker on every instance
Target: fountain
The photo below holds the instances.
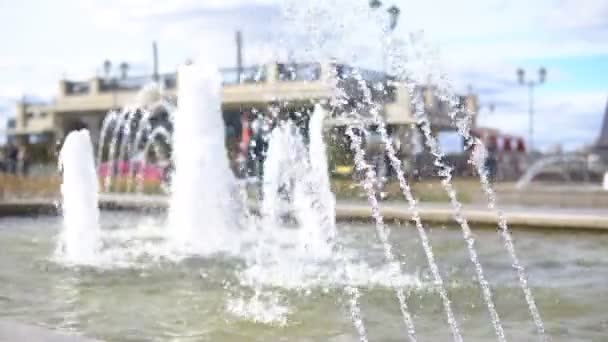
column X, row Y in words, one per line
column 211, row 260
column 79, row 241
column 564, row 165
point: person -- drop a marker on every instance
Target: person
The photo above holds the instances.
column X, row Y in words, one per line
column 491, row 162
column 12, row 159
column 22, row 160
column 256, row 146
column 2, row 160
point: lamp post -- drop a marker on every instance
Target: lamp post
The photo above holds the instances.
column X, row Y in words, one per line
column 124, row 69
column 107, row 68
column 531, row 84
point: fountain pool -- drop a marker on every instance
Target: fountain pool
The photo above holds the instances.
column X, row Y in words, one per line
column 144, row 296
column 212, row 271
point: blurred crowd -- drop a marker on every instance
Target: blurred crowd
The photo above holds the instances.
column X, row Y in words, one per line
column 14, row 159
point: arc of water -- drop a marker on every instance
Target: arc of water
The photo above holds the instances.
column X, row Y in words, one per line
column 112, row 150
column 492, row 199
column 142, row 129
column 125, row 142
column 412, row 206
column 541, row 164
column 339, row 99
column 157, row 132
column 445, row 173
column 381, row 229
column 398, row 59
column 510, row 246
column 105, row 125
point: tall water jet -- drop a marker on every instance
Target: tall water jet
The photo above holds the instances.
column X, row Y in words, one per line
column 202, row 210
column 315, row 203
column 284, row 165
column 326, row 208
column 79, row 241
column 296, row 184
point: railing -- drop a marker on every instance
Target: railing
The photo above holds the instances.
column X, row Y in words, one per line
column 381, row 86
column 77, row 88
column 286, row 72
column 299, row 72
column 371, row 76
column 232, row 76
column 129, row 83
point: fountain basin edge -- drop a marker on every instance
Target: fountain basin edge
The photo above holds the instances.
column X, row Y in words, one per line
column 518, row 217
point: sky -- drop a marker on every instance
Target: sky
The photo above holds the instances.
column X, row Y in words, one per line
column 479, row 45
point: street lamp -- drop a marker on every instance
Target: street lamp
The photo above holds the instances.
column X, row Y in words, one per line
column 107, row 68
column 521, row 77
column 393, row 12
column 124, row 69
column 375, row 4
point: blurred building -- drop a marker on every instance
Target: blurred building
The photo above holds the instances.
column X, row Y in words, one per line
column 507, row 150
column 288, row 87
column 601, row 145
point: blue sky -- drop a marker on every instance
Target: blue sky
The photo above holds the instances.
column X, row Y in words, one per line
column 480, row 44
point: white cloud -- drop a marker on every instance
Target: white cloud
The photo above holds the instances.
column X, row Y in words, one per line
column 577, row 14
column 481, row 42
column 569, row 118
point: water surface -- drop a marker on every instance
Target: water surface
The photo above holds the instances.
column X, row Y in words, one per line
column 207, row 299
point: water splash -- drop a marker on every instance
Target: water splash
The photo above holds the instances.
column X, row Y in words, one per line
column 413, row 206
column 445, row 172
column 477, row 159
column 296, row 183
column 381, row 229
column 265, row 308
column 79, row 241
column 463, row 119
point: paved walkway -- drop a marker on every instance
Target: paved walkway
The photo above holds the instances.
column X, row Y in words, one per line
column 517, row 217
